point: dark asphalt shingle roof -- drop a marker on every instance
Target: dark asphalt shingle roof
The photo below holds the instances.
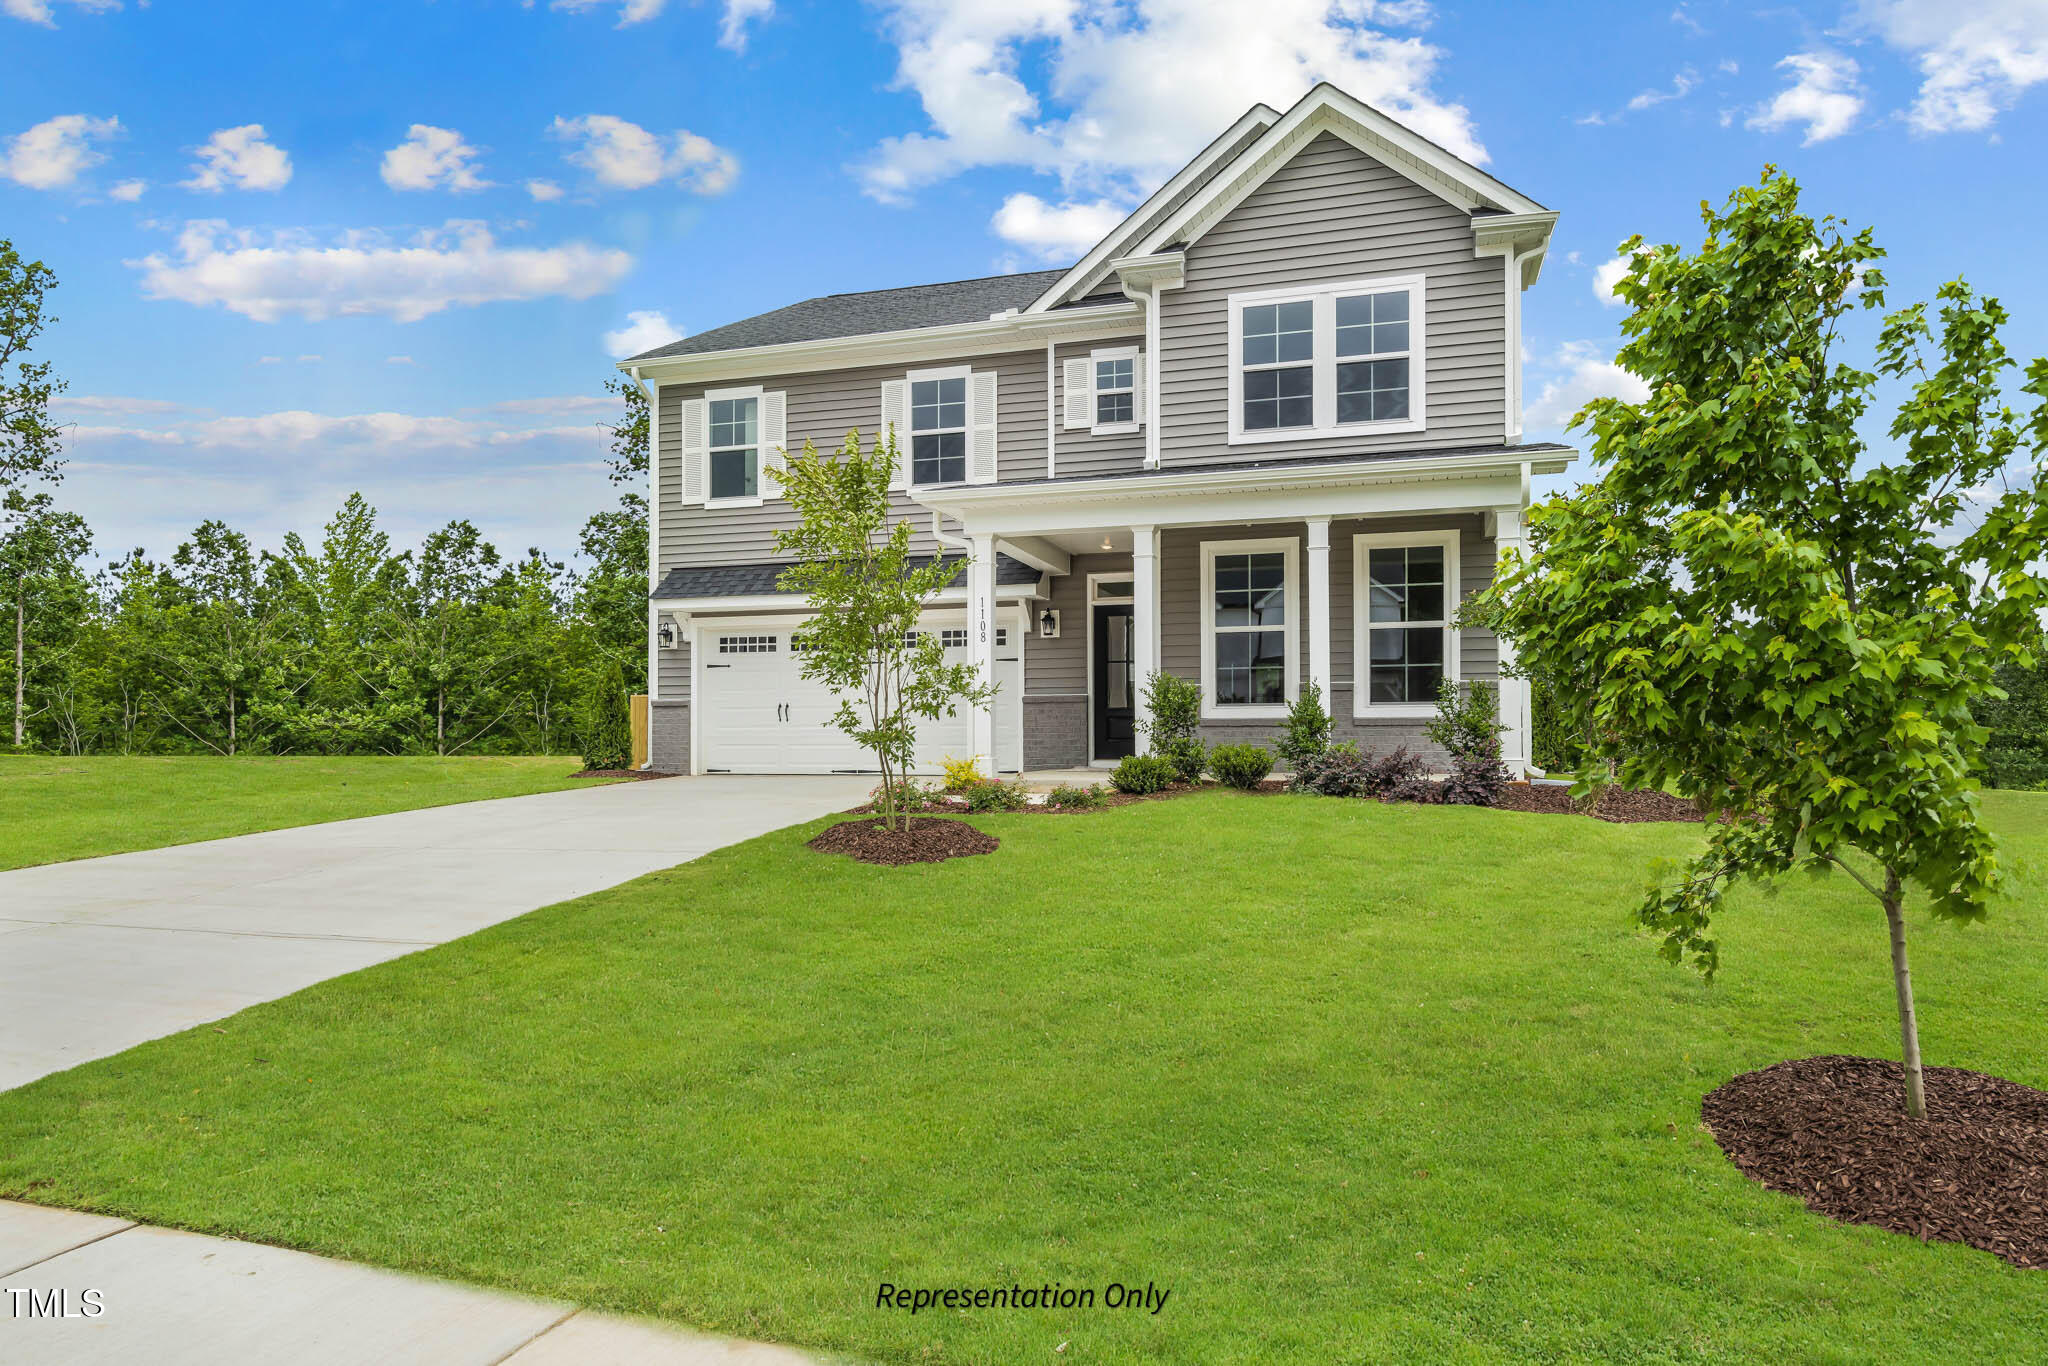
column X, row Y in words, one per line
column 749, row 580
column 875, row 310
column 1534, row 450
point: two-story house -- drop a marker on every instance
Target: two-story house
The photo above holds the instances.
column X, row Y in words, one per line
column 1268, row 430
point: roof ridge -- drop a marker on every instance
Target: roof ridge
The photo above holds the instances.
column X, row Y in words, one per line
column 935, row 284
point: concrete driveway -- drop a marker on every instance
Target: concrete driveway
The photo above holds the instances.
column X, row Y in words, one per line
column 100, row 954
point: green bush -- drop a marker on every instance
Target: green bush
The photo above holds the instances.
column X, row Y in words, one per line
column 607, row 728
column 961, row 774
column 2016, row 752
column 1306, row 734
column 992, row 795
column 1173, row 724
column 1469, row 728
column 1142, row 774
column 1069, row 797
column 1241, row 766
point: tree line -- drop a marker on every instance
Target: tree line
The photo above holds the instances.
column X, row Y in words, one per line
column 345, row 644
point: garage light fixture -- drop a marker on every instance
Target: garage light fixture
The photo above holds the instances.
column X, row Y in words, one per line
column 1049, row 624
column 667, row 634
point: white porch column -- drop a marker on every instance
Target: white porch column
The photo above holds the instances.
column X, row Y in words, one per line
column 1513, row 692
column 1144, row 619
column 981, row 645
column 1319, row 607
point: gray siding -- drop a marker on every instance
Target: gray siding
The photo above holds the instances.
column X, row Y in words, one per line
column 1334, row 213
column 675, row 672
column 1080, row 451
column 1053, row 667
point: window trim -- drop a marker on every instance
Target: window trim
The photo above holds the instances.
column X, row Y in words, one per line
column 1096, row 427
column 754, row 499
column 911, row 378
column 1362, row 546
column 1323, row 358
column 1290, row 548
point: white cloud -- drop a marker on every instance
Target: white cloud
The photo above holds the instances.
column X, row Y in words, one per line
column 1824, row 95
column 270, row 360
column 624, row 156
column 1062, row 232
column 630, row 11
column 241, row 158
column 1579, row 372
column 268, row 276
column 1131, row 92
column 543, row 191
column 1605, row 276
column 562, row 403
column 42, row 12
column 398, row 360
column 311, row 359
column 645, row 329
column 56, row 151
column 114, row 403
column 1975, row 59
column 431, row 158
column 128, row 191
column 732, row 28
column 1682, row 85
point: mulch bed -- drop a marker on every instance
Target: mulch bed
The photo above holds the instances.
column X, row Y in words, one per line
column 1833, row 1131
column 927, row 840
column 1622, row 805
column 638, row 774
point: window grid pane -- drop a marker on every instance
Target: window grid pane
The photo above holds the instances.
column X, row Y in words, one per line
column 938, row 459
column 1249, row 619
column 1408, row 623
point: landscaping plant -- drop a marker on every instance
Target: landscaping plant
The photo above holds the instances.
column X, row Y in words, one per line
column 1467, row 726
column 1305, row 735
column 992, row 795
column 1339, row 771
column 2016, row 750
column 1173, row 723
column 1240, row 766
column 607, row 726
column 1786, row 627
column 961, row 774
column 855, row 568
column 1142, row 774
column 1072, row 797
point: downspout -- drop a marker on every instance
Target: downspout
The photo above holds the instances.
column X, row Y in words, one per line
column 1152, row 378
column 653, row 553
column 1051, row 427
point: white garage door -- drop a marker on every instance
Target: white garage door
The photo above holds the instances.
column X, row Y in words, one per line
column 757, row 713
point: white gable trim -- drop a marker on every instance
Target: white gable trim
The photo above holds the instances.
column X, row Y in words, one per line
column 1327, row 109
column 1093, row 268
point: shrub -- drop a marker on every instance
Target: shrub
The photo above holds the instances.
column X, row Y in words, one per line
column 961, row 774
column 1173, row 724
column 1415, row 788
column 1069, row 797
column 1339, row 771
column 911, row 795
column 607, row 728
column 1468, row 727
column 1306, row 734
column 1240, row 766
column 992, row 795
column 1390, row 771
column 1142, row 774
column 1476, row 779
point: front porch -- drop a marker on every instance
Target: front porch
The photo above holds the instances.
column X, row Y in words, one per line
column 1252, row 579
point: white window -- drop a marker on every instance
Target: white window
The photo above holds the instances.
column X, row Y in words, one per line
column 1405, row 593
column 1251, row 659
column 746, row 645
column 953, row 637
column 938, row 428
column 734, row 446
column 1327, row 360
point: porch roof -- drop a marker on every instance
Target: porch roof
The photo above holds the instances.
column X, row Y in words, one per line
column 757, row 580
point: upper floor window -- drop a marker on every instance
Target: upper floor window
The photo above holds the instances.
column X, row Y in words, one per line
column 938, row 430
column 1116, row 391
column 1327, row 360
column 735, row 447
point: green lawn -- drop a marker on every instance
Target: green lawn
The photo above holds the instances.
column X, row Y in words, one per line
column 1355, row 1082
column 53, row 809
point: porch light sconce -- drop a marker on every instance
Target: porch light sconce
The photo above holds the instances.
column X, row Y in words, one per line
column 667, row 634
column 1049, row 624
column 1106, row 545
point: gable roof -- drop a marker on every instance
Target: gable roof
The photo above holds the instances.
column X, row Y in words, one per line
column 1325, row 109
column 874, row 310
column 755, row 580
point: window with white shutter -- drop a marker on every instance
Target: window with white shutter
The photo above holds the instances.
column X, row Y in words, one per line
column 693, row 434
column 774, row 439
column 896, row 420
column 733, row 448
column 1080, row 387
column 1118, row 402
column 981, row 432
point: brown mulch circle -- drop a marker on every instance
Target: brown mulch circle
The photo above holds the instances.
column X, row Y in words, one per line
column 1622, row 805
column 1833, row 1131
column 926, row 840
column 638, row 774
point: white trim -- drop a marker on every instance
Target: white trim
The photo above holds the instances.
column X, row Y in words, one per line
column 711, row 396
column 1361, row 626
column 1095, row 597
column 1096, row 426
column 908, row 436
column 1052, row 439
column 1145, row 657
column 1323, row 359
column 653, row 545
column 1290, row 548
column 1319, row 610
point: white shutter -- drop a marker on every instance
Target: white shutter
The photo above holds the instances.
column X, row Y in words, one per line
column 1138, row 409
column 896, row 417
column 981, row 427
column 695, row 438
column 774, row 436
column 1080, row 392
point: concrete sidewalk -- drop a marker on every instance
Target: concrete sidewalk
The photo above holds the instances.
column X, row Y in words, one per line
column 101, row 954
column 171, row 1298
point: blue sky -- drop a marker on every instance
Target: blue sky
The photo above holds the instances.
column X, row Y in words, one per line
column 326, row 246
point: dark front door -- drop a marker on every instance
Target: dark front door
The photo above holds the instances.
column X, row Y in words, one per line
column 1115, row 700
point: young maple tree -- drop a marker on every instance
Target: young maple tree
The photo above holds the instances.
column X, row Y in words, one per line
column 868, row 592
column 1774, row 621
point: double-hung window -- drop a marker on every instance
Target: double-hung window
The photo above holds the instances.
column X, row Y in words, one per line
column 938, row 430
column 1407, row 592
column 1250, row 656
column 735, row 447
column 1327, row 360
column 1116, row 390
